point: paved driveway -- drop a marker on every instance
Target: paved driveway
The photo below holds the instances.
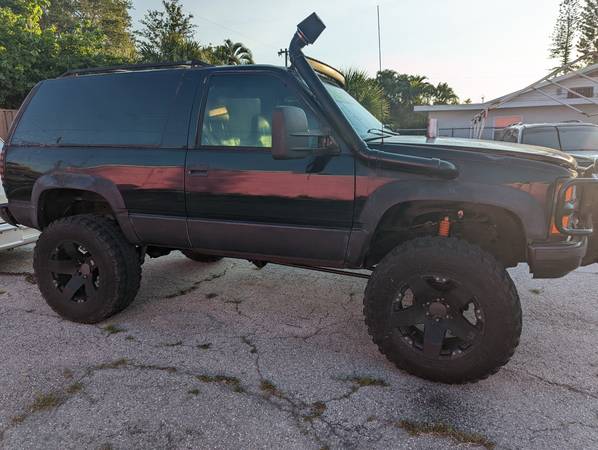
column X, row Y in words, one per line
column 228, row 356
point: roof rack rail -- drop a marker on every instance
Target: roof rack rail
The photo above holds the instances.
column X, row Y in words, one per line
column 134, row 67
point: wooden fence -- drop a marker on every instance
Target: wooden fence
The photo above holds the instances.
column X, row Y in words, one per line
column 6, row 118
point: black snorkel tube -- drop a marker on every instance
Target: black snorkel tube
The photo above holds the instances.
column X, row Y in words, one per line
column 307, row 33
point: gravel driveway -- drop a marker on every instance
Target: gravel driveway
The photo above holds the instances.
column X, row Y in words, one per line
column 227, row 356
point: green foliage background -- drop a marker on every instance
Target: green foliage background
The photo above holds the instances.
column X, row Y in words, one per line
column 41, row 39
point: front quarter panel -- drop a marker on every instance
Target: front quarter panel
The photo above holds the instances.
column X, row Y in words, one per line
column 523, row 187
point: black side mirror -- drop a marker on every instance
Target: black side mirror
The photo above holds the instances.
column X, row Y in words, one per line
column 291, row 137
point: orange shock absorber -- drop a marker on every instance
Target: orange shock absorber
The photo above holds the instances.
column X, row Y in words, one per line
column 444, row 227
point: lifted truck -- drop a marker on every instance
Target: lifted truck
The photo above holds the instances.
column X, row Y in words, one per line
column 283, row 165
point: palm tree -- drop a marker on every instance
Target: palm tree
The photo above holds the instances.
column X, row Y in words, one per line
column 367, row 91
column 444, row 95
column 233, row 53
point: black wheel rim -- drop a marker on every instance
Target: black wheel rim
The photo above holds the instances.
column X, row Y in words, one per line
column 437, row 316
column 75, row 273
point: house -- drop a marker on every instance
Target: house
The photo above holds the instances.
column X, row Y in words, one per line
column 569, row 97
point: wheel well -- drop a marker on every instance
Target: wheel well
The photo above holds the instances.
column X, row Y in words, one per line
column 57, row 203
column 494, row 229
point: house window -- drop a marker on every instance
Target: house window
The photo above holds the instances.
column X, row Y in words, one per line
column 587, row 92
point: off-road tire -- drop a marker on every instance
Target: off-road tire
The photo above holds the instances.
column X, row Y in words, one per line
column 200, row 257
column 480, row 273
column 116, row 260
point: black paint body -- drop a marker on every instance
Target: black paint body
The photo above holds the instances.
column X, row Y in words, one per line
column 319, row 210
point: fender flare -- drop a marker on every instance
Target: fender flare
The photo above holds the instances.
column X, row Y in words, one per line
column 84, row 182
column 519, row 203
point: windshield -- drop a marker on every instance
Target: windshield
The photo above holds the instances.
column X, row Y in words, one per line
column 579, row 138
column 366, row 125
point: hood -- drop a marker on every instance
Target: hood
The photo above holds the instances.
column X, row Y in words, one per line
column 532, row 152
column 584, row 157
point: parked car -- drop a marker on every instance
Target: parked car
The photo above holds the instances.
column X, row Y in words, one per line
column 576, row 138
column 282, row 165
column 12, row 236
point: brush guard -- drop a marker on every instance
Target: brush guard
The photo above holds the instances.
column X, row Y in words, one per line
column 579, row 208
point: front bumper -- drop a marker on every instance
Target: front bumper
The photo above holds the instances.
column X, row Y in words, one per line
column 556, row 259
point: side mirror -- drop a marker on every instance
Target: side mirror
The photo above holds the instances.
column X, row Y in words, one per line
column 291, row 137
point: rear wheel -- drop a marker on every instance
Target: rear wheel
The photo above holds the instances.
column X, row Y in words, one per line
column 444, row 310
column 200, row 257
column 85, row 268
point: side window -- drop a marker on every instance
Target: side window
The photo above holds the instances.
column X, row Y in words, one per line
column 125, row 109
column 239, row 108
column 542, row 136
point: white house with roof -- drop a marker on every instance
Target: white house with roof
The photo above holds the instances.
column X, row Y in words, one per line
column 570, row 97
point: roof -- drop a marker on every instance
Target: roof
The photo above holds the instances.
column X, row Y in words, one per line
column 587, row 72
column 320, row 67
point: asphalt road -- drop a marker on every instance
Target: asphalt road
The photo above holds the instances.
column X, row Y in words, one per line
column 228, row 356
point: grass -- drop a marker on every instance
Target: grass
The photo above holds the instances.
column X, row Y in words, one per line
column 42, row 402
column 317, row 409
column 270, row 389
column 368, row 381
column 113, row 329
column 445, row 431
column 232, row 382
column 536, row 291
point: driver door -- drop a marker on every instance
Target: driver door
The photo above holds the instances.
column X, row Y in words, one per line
column 240, row 201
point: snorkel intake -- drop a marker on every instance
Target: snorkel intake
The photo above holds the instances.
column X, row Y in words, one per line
column 307, row 33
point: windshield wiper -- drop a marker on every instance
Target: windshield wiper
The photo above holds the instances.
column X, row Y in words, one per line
column 379, row 134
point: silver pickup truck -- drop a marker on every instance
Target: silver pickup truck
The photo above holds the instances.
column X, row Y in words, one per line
column 11, row 236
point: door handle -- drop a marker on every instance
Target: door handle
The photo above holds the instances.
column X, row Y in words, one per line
column 200, row 170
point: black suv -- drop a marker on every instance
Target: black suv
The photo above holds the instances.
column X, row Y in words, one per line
column 283, row 165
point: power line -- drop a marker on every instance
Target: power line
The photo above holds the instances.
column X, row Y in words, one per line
column 232, row 30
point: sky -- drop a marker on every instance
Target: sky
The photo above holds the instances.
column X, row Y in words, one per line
column 482, row 48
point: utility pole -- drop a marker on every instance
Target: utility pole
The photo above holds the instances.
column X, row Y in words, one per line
column 285, row 52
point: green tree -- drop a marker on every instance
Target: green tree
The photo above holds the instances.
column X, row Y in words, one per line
column 30, row 52
column 110, row 18
column 233, row 53
column 368, row 92
column 588, row 31
column 168, row 35
column 445, row 95
column 404, row 91
column 565, row 32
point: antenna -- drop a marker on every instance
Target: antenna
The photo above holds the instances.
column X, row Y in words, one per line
column 379, row 41
column 380, row 70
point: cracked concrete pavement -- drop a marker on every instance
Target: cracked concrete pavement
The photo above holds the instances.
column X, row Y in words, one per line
column 227, row 356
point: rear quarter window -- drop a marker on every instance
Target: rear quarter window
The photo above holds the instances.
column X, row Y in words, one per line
column 126, row 109
column 542, row 137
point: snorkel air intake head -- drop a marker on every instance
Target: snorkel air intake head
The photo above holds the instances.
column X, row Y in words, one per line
column 308, row 31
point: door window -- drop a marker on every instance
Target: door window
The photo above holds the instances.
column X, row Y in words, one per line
column 239, row 108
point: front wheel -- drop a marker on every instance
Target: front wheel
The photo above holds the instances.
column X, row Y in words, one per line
column 444, row 310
